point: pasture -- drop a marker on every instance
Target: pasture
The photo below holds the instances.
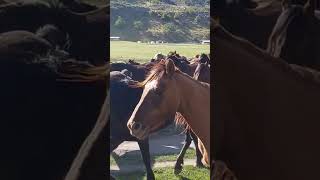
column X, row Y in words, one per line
column 142, row 52
column 165, row 145
column 128, row 161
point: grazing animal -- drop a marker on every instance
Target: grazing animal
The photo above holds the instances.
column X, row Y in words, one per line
column 159, row 56
column 266, row 115
column 138, row 71
column 120, row 92
column 48, row 108
column 295, row 37
column 164, row 94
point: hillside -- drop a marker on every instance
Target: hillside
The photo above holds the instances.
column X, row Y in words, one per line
column 166, row 20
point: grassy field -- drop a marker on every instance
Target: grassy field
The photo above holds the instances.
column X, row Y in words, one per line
column 188, row 173
column 142, row 52
column 133, row 159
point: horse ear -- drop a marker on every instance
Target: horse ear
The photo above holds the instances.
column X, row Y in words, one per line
column 309, row 7
column 170, row 68
column 286, row 3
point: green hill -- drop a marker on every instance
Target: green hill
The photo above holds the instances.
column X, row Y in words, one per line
column 166, row 20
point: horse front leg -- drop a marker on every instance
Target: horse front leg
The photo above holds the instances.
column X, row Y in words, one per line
column 145, row 152
column 198, row 153
column 179, row 162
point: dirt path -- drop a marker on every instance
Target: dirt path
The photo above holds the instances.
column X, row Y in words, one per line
column 159, row 144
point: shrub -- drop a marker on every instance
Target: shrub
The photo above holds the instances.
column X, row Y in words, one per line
column 120, row 22
column 138, row 25
column 169, row 28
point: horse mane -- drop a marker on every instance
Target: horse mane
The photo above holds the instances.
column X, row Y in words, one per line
column 157, row 71
column 181, row 121
column 266, row 8
column 303, row 74
column 73, row 71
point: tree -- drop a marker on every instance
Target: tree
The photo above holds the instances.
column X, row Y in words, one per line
column 120, row 22
column 169, row 28
column 138, row 25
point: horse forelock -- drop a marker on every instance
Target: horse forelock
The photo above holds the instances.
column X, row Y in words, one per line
column 156, row 72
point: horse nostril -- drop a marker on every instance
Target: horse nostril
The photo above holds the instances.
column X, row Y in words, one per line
column 136, row 126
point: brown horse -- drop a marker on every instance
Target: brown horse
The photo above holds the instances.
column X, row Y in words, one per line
column 202, row 72
column 266, row 113
column 166, row 91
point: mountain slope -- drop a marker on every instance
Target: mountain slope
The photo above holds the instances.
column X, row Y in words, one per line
column 167, row 20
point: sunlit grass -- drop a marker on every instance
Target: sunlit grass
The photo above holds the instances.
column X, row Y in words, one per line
column 142, row 52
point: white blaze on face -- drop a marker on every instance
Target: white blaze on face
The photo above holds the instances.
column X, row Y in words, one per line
column 151, row 85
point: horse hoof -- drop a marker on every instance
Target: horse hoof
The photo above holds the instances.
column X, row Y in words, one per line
column 199, row 165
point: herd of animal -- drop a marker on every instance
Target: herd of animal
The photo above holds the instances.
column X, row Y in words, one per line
column 53, row 73
column 266, row 96
column 266, row 93
column 125, row 96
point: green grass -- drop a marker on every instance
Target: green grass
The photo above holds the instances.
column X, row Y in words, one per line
column 142, row 52
column 188, row 172
column 137, row 159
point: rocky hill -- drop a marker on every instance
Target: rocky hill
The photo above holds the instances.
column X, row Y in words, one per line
column 166, row 20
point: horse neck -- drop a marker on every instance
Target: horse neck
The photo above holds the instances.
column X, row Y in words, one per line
column 257, row 97
column 192, row 95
